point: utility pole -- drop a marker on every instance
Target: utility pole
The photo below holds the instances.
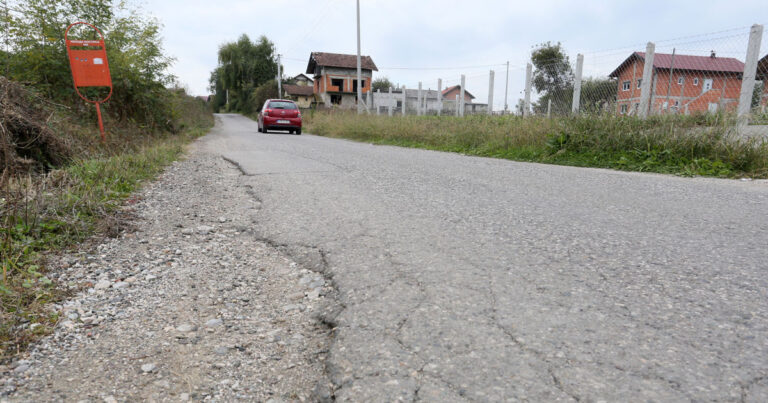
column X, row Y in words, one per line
column 506, row 90
column 279, row 79
column 359, row 69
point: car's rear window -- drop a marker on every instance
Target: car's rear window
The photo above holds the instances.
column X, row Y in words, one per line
column 282, row 105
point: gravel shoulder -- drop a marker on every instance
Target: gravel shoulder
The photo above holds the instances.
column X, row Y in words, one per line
column 190, row 306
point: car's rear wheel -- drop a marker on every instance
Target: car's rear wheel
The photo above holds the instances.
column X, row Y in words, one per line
column 259, row 129
column 298, row 132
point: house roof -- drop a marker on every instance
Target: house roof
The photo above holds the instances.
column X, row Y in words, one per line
column 306, row 77
column 762, row 69
column 686, row 62
column 458, row 88
column 338, row 60
column 303, row 90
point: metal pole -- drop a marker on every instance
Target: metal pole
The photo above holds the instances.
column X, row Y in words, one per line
column 577, row 84
column 671, row 72
column 457, row 104
column 506, row 90
column 391, row 100
column 647, row 84
column 462, row 100
column 359, row 69
column 528, row 79
column 549, row 108
column 750, row 70
column 490, row 93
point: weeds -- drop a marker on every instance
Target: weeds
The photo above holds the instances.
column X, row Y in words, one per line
column 684, row 145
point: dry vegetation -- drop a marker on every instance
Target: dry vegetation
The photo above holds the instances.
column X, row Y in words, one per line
column 685, row 145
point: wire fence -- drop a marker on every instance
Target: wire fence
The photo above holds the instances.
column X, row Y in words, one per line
column 717, row 72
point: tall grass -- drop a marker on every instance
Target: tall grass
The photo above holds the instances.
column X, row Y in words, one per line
column 687, row 145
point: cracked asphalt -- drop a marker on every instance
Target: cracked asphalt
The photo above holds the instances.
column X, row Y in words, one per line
column 465, row 278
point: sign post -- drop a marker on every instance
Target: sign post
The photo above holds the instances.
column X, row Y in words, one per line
column 88, row 60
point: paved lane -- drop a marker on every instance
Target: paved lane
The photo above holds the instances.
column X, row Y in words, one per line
column 467, row 278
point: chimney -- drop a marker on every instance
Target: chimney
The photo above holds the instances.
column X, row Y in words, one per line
column 712, row 55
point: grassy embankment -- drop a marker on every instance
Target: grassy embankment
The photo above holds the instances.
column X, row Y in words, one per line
column 74, row 189
column 680, row 145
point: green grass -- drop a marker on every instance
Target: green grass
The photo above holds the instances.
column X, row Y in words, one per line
column 683, row 145
column 44, row 214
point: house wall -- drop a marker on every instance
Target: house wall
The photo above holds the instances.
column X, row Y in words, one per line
column 687, row 97
column 456, row 91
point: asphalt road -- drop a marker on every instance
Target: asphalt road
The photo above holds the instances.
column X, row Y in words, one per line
column 466, row 278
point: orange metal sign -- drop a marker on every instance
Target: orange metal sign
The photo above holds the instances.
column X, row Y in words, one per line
column 90, row 68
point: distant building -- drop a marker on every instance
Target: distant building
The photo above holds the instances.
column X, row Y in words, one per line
column 430, row 103
column 698, row 83
column 452, row 92
column 303, row 95
column 302, row 79
column 335, row 77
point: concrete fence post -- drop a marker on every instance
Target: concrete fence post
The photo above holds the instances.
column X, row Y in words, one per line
column 750, row 71
column 418, row 101
column 647, row 84
column 404, row 101
column 577, row 84
column 528, row 82
column 490, row 93
column 391, row 101
column 549, row 108
column 457, row 104
column 439, row 96
column 461, row 96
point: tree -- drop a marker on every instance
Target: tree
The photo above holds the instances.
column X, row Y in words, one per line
column 243, row 67
column 552, row 78
column 137, row 63
column 264, row 92
column 597, row 95
column 382, row 83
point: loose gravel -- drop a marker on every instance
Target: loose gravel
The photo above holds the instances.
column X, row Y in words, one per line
column 190, row 306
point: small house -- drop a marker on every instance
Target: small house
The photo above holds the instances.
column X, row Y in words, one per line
column 303, row 95
column 451, row 93
column 762, row 75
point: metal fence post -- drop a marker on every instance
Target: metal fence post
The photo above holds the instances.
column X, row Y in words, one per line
column 750, row 70
column 528, row 80
column 577, row 84
column 391, row 101
column 461, row 100
column 549, row 108
column 647, row 84
column 418, row 101
column 439, row 96
column 378, row 95
column 490, row 93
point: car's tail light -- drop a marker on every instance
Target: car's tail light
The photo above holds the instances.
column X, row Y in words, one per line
column 299, row 115
column 267, row 112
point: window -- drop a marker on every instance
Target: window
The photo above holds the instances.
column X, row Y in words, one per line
column 677, row 104
column 696, row 81
column 624, row 109
column 639, row 82
column 282, row 105
column 339, row 83
column 626, row 85
column 336, row 99
column 354, row 85
column 680, row 80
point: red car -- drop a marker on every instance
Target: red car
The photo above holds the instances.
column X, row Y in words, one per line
column 280, row 114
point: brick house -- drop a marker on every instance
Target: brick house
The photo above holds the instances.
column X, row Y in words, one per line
column 450, row 94
column 336, row 77
column 762, row 75
column 699, row 84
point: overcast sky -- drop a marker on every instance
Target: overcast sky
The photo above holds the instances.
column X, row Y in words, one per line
column 423, row 40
